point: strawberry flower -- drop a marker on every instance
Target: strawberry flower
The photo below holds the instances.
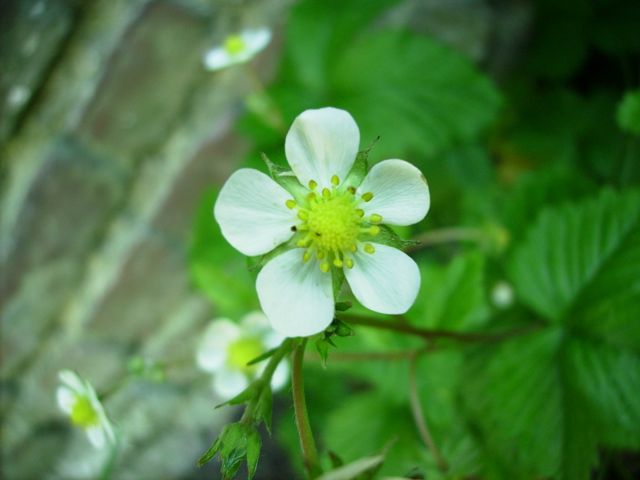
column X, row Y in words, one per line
column 237, row 48
column 77, row 398
column 330, row 220
column 226, row 348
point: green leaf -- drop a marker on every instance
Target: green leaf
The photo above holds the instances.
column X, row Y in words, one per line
column 413, row 92
column 217, row 269
column 571, row 386
column 452, row 297
column 575, row 255
column 243, row 397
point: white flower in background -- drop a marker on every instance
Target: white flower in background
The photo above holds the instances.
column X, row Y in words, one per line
column 227, row 347
column 331, row 222
column 237, row 48
column 502, row 295
column 77, row 398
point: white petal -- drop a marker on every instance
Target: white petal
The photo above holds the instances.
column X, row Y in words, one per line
column 256, row 40
column 252, row 213
column 296, row 297
column 229, row 383
column 400, row 192
column 96, row 436
column 386, row 281
column 71, row 379
column 212, row 351
column 322, row 143
column 66, row 399
column 280, row 376
column 218, row 58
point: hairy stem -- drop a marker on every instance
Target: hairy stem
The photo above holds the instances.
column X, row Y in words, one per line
column 307, row 443
column 419, row 418
column 433, row 334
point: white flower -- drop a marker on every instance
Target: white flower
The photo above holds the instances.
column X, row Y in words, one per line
column 502, row 295
column 227, row 347
column 237, row 49
column 330, row 222
column 77, row 398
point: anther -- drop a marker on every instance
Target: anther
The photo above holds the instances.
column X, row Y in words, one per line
column 360, row 212
column 374, row 230
column 326, row 193
column 335, row 180
column 337, row 262
column 369, row 248
column 352, row 190
column 312, row 184
column 375, row 218
column 302, row 215
column 307, row 256
column 311, row 196
column 320, row 255
column 324, row 266
column 367, row 196
column 349, row 262
column 291, row 204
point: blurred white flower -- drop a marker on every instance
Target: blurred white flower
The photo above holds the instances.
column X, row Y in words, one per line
column 227, row 347
column 237, row 48
column 502, row 294
column 77, row 398
column 331, row 223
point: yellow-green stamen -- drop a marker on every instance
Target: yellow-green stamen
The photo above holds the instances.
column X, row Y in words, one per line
column 83, row 414
column 242, row 351
column 234, row 44
column 332, row 224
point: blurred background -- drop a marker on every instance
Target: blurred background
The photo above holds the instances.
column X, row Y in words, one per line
column 114, row 139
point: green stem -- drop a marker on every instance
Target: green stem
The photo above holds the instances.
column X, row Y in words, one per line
column 307, row 443
column 434, row 334
column 419, row 418
column 265, row 378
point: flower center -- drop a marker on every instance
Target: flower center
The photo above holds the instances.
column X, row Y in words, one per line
column 83, row 414
column 234, row 44
column 332, row 224
column 242, row 351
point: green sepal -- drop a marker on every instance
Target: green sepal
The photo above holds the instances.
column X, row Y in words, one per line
column 254, row 444
column 244, row 396
column 264, row 408
column 343, row 306
column 211, row 451
column 359, row 170
column 337, row 280
column 387, row 236
column 336, row 460
column 322, row 346
column 286, row 179
column 255, row 264
column 342, row 329
column 262, row 357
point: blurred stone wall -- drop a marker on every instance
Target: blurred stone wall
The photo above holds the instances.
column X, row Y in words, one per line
column 110, row 132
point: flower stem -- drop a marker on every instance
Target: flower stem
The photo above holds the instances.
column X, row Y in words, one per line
column 434, row 334
column 265, row 378
column 307, row 443
column 419, row 418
